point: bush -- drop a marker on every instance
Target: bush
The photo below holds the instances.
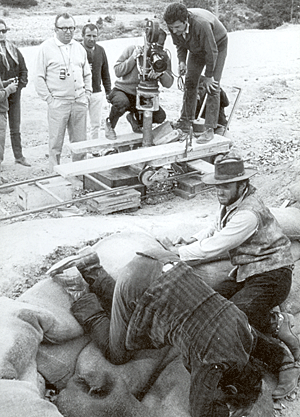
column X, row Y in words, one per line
column 68, row 4
column 19, row 3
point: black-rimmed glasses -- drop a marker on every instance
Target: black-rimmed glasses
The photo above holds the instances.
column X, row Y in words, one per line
column 66, row 29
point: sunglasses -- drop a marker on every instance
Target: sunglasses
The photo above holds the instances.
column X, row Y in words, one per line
column 3, row 30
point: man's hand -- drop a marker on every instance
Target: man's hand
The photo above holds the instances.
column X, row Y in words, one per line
column 154, row 75
column 168, row 245
column 210, row 84
column 12, row 87
column 182, row 68
column 9, row 81
column 137, row 52
column 180, row 241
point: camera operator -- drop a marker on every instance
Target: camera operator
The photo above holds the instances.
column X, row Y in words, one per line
column 123, row 95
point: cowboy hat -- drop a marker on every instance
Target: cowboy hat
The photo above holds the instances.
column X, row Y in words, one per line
column 228, row 168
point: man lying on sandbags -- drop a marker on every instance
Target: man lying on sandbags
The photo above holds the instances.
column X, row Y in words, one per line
column 259, row 251
column 161, row 301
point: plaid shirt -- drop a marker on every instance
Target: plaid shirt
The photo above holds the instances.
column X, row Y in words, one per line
column 181, row 310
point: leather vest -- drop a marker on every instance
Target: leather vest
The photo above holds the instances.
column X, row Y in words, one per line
column 267, row 249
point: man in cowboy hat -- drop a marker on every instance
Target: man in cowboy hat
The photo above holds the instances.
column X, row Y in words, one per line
column 258, row 249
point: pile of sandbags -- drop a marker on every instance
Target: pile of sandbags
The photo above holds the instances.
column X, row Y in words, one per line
column 42, row 341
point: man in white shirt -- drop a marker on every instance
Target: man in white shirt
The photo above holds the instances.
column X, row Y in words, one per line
column 63, row 79
column 247, row 231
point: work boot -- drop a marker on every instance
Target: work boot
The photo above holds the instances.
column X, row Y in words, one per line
column 72, row 282
column 287, row 380
column 206, row 136
column 283, row 331
column 110, row 132
column 136, row 128
column 22, row 161
column 86, row 257
column 101, row 283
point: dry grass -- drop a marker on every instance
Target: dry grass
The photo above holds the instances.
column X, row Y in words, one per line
column 125, row 19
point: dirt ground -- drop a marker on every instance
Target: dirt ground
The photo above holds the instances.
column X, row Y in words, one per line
column 265, row 130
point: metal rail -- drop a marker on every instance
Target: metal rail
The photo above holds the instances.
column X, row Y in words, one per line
column 14, row 184
column 100, row 193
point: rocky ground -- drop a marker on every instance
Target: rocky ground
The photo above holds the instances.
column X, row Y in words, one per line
column 264, row 130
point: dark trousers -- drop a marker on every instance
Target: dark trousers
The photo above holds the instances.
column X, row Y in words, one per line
column 123, row 102
column 14, row 120
column 195, row 66
column 257, row 295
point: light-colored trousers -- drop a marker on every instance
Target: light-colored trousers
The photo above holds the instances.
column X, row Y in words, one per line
column 3, row 125
column 95, row 109
column 65, row 115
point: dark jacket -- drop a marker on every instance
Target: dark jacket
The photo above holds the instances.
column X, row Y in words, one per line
column 17, row 65
column 100, row 69
column 206, row 33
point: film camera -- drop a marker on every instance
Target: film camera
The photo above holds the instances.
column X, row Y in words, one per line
column 156, row 56
column 153, row 59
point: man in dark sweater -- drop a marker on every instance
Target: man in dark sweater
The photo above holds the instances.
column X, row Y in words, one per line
column 100, row 75
column 201, row 40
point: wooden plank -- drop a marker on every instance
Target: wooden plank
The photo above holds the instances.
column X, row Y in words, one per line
column 202, row 166
column 160, row 154
column 97, row 144
column 122, row 140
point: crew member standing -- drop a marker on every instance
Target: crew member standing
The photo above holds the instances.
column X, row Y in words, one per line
column 63, row 78
column 13, row 68
column 100, row 75
column 205, row 38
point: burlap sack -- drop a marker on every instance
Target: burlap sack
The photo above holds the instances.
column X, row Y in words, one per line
column 57, row 362
column 22, row 328
column 21, row 399
column 289, row 221
column 136, row 373
column 119, row 249
column 52, row 297
column 111, row 381
column 169, row 395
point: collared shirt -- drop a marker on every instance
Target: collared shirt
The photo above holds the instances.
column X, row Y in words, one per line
column 187, row 30
column 217, row 240
column 212, row 243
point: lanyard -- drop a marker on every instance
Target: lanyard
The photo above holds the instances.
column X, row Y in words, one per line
column 69, row 59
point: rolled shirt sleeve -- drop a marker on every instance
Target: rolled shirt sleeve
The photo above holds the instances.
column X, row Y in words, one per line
column 238, row 229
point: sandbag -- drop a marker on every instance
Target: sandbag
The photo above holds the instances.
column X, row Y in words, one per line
column 213, row 272
column 21, row 399
column 51, row 296
column 101, row 389
column 57, row 363
column 136, row 373
column 289, row 221
column 119, row 249
column 169, row 395
column 23, row 327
